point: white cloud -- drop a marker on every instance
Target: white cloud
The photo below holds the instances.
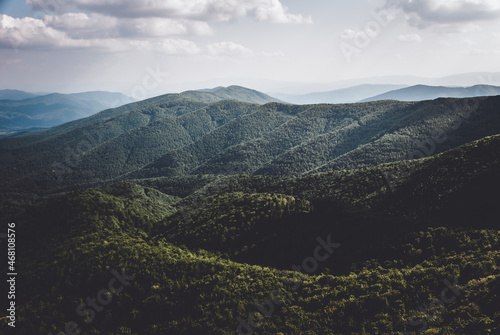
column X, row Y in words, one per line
column 228, row 49
column 448, row 14
column 121, row 24
column 171, row 46
column 81, row 25
column 118, row 25
column 410, row 38
column 157, row 27
column 205, row 10
column 274, row 11
column 29, row 33
column 198, row 27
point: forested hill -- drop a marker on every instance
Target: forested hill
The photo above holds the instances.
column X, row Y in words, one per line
column 418, row 188
column 181, row 134
column 174, row 103
column 202, row 255
column 233, row 92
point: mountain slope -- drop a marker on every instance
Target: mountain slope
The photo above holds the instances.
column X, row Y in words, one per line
column 454, row 187
column 471, row 170
column 423, row 92
column 143, row 145
column 60, row 150
column 192, row 100
column 182, row 136
column 332, row 137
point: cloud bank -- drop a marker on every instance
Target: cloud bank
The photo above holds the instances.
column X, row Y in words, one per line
column 120, row 25
column 36, row 34
column 447, row 15
column 204, row 10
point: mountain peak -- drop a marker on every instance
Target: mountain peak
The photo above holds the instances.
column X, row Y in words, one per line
column 233, row 92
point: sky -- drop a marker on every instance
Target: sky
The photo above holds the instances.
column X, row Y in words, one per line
column 146, row 47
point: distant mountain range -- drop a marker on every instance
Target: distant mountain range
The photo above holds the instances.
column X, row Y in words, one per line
column 52, row 109
column 22, row 113
column 278, row 88
column 371, row 92
column 423, row 92
column 16, row 95
column 345, row 95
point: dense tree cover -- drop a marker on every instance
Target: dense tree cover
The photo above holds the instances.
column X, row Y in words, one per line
column 141, row 146
column 423, row 188
column 235, row 223
column 178, row 291
column 246, row 128
column 176, row 135
column 233, row 92
column 413, row 270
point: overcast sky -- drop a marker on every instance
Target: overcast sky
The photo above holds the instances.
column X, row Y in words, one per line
column 144, row 46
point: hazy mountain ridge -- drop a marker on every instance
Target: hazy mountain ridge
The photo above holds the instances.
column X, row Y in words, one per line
column 344, row 95
column 16, row 95
column 277, row 87
column 423, row 92
column 376, row 92
column 55, row 109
